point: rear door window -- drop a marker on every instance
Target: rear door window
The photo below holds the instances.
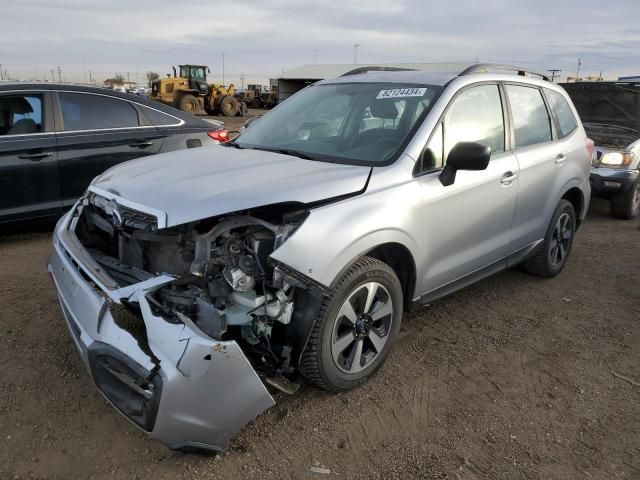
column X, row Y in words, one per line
column 565, row 119
column 82, row 111
column 531, row 121
column 20, row 114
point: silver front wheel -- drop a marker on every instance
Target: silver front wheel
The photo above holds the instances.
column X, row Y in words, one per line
column 361, row 328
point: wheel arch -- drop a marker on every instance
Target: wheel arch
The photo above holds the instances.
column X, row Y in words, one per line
column 575, row 196
column 400, row 259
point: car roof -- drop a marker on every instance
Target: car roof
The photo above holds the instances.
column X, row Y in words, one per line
column 19, row 86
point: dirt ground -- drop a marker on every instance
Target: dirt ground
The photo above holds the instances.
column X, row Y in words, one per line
column 509, row 379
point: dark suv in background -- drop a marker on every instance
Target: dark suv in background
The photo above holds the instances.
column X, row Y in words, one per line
column 610, row 113
column 54, row 139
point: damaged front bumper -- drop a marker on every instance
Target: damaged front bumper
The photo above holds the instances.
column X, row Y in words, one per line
column 171, row 380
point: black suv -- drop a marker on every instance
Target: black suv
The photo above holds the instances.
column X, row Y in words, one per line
column 54, row 139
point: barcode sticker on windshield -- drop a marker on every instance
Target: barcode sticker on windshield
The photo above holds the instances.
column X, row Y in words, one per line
column 402, row 92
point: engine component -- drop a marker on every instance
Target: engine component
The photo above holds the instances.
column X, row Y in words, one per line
column 238, row 279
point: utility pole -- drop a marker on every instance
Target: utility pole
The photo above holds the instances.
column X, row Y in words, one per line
column 554, row 73
column 1, row 74
column 90, row 77
column 222, row 68
column 315, row 56
column 53, row 75
column 242, row 77
column 59, row 74
column 578, row 70
column 84, row 71
column 355, row 53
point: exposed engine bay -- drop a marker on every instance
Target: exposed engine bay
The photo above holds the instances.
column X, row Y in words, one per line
column 225, row 283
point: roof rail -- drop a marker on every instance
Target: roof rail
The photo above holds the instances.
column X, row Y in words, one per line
column 373, row 68
column 483, row 67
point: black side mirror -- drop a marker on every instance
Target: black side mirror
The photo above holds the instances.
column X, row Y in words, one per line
column 465, row 156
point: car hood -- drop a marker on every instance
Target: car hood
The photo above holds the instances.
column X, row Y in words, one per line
column 193, row 184
column 607, row 104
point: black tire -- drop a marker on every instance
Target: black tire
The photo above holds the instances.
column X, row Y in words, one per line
column 189, row 104
column 228, row 106
column 317, row 363
column 625, row 205
column 542, row 262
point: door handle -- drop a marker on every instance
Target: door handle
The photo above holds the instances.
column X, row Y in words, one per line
column 508, row 178
column 141, row 144
column 34, row 157
column 561, row 158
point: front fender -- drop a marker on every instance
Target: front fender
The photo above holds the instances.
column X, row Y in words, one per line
column 333, row 236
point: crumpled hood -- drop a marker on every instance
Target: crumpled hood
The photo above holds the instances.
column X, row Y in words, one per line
column 193, row 184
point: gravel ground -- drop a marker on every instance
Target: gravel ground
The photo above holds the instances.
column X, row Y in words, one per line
column 508, row 379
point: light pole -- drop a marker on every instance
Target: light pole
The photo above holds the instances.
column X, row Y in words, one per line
column 355, row 53
column 554, row 72
column 222, row 68
column 578, row 70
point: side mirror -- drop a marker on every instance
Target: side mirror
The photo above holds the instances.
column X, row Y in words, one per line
column 465, row 156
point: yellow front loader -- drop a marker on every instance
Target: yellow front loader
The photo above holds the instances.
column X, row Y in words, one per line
column 190, row 92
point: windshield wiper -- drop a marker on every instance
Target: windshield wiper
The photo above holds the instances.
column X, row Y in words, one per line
column 285, row 151
column 232, row 143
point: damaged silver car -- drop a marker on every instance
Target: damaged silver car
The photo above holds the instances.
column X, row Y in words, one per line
column 197, row 283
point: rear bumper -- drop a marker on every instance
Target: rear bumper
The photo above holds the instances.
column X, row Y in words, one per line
column 611, row 180
column 171, row 380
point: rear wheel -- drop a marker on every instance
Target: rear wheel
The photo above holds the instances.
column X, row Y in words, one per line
column 189, row 104
column 228, row 106
column 355, row 328
column 626, row 205
column 552, row 255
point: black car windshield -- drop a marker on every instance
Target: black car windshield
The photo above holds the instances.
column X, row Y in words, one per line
column 353, row 123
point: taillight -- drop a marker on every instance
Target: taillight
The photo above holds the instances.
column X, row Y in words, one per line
column 590, row 147
column 219, row 135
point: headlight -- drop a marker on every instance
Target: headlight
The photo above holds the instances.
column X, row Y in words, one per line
column 617, row 159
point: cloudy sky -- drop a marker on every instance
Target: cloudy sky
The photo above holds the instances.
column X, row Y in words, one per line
column 262, row 38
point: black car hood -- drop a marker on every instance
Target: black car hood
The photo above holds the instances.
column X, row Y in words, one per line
column 607, row 104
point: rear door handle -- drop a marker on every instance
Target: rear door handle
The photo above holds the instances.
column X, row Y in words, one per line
column 561, row 158
column 141, row 144
column 34, row 157
column 508, row 178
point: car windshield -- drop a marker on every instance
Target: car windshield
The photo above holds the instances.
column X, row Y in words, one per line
column 353, row 123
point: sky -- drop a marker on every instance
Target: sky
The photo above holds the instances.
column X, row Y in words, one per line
column 262, row 38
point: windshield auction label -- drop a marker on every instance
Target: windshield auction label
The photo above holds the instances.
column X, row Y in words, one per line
column 402, row 92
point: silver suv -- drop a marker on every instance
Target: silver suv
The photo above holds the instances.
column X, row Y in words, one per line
column 197, row 282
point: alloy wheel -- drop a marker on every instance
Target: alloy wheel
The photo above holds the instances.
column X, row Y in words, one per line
column 560, row 241
column 361, row 328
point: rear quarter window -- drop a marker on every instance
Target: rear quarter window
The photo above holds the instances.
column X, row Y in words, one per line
column 566, row 121
column 158, row 118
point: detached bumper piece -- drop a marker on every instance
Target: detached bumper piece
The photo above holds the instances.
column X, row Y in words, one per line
column 183, row 388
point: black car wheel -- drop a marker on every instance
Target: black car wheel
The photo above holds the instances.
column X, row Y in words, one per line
column 552, row 254
column 625, row 205
column 355, row 328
